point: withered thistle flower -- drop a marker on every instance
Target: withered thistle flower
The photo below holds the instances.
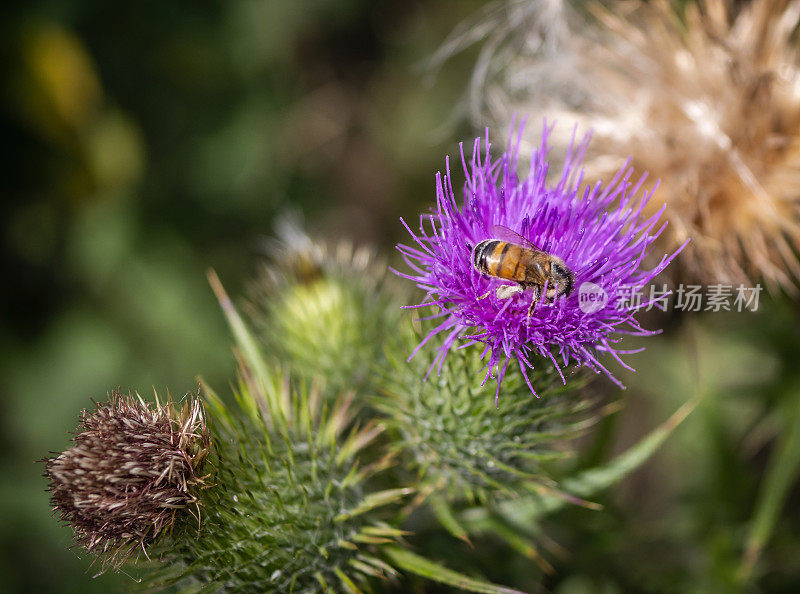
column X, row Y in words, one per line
column 706, row 99
column 133, row 470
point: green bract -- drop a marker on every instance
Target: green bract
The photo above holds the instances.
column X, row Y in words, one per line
column 460, row 447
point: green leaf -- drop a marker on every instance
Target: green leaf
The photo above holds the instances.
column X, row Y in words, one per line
column 594, row 480
column 422, row 567
column 253, row 360
column 781, row 474
column 584, row 484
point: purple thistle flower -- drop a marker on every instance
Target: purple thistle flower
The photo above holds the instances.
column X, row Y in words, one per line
column 598, row 231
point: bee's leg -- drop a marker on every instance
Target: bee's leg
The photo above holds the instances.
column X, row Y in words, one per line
column 506, row 291
column 536, row 296
column 485, row 295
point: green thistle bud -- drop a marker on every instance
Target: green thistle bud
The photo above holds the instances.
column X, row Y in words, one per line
column 463, row 448
column 290, row 511
column 465, row 451
column 133, row 471
column 325, row 311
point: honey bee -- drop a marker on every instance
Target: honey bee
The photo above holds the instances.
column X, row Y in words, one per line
column 509, row 256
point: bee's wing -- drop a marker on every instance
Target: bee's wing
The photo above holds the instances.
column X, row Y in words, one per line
column 505, row 234
column 539, row 257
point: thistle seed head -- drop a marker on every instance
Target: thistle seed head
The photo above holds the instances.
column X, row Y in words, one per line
column 131, row 473
column 704, row 95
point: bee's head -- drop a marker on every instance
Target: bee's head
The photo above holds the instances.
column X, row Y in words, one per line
column 561, row 278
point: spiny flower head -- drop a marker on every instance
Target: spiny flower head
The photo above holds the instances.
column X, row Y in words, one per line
column 460, row 447
column 291, row 510
column 324, row 310
column 597, row 231
column 133, row 469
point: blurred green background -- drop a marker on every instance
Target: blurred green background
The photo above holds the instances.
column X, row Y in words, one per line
column 145, row 142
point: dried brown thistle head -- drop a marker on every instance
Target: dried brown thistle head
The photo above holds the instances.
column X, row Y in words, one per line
column 133, row 469
column 707, row 99
column 721, row 101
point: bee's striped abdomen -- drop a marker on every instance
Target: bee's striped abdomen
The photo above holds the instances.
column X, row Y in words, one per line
column 481, row 253
column 499, row 259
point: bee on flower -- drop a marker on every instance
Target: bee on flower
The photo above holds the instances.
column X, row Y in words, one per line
column 511, row 266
